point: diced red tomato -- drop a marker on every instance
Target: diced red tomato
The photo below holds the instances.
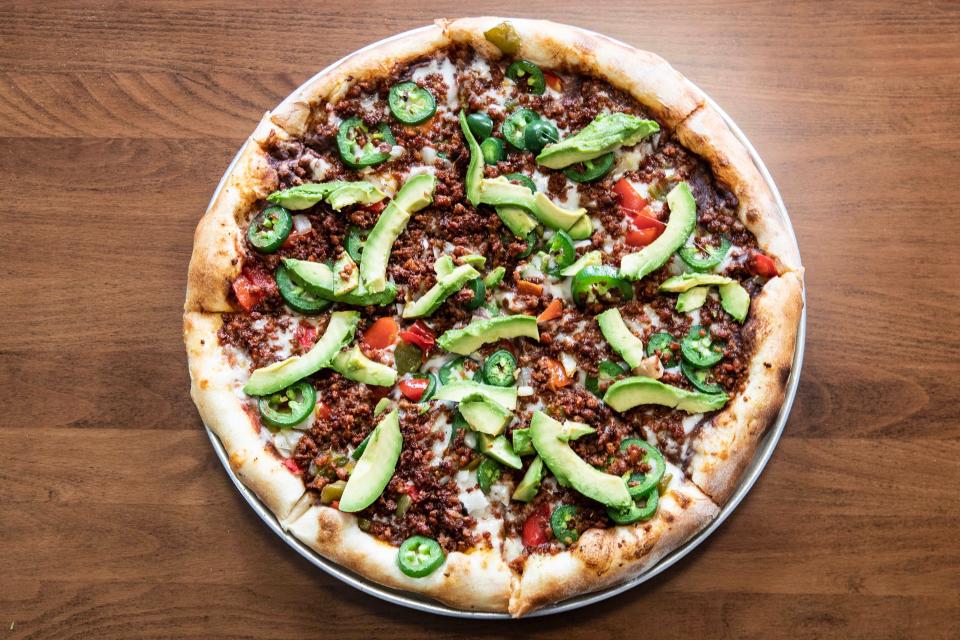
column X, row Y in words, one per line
column 558, row 375
column 252, row 286
column 376, row 207
column 646, row 218
column 762, row 265
column 323, row 411
column 306, row 335
column 536, row 525
column 291, row 464
column 413, row 388
column 553, row 81
column 630, row 200
column 291, row 240
column 642, row 237
column 420, row 335
column 381, row 333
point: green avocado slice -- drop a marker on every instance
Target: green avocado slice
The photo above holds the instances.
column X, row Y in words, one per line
column 631, row 392
column 375, row 467
column 623, row 341
column 447, row 285
column 521, row 442
column 571, row 469
column 500, row 193
column 337, row 193
column 607, row 132
column 475, row 168
column 354, row 193
column 530, row 484
column 589, row 259
column 457, row 390
column 346, row 275
column 692, row 299
column 284, row 373
column 415, row 194
column 479, row 332
column 582, row 229
column 687, row 281
column 484, row 415
column 317, row 278
column 572, row 430
column 683, row 218
column 499, row 449
column 353, row 365
column 735, row 300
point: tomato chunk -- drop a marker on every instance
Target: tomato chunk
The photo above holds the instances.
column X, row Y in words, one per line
column 553, row 81
column 420, row 335
column 763, row 265
column 630, row 200
column 323, row 411
column 381, row 334
column 535, row 526
column 251, row 287
column 413, row 388
column 642, row 237
column 306, row 335
column 291, row 464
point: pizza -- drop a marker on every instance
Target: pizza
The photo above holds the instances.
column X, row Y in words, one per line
column 495, row 312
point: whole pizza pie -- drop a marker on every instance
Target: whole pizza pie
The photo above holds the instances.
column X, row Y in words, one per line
column 495, row 312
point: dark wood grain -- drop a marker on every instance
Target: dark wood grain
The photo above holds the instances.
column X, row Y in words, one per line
column 116, row 520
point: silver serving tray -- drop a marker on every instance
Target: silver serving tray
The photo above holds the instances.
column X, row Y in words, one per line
column 750, row 475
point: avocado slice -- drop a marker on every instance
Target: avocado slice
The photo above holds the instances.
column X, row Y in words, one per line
column 683, row 218
column 375, row 467
column 318, row 278
column 284, row 373
column 589, row 259
column 735, row 300
column 354, row 193
column 568, row 467
column 623, row 341
column 446, row 286
column 572, row 430
column 475, row 168
column 607, row 132
column 479, row 332
column 484, row 415
column 304, row 196
column 474, row 260
column 692, row 299
column 501, row 192
column 687, row 281
column 415, row 194
column 443, row 265
column 337, row 193
column 353, row 365
column 582, row 229
column 522, row 444
column 458, row 390
column 517, row 220
column 630, row 392
column 346, row 275
column 499, row 449
column 530, row 484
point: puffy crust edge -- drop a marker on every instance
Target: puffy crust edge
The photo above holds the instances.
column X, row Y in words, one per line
column 218, row 239
column 604, row 557
column 476, row 581
column 724, row 446
column 646, row 76
column 706, row 134
column 212, row 380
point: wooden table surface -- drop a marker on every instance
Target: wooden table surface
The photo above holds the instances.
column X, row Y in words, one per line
column 116, row 519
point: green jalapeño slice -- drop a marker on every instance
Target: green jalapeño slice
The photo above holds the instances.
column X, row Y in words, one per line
column 296, row 297
column 411, row 103
column 270, row 229
column 420, row 556
column 590, row 170
column 289, row 407
column 360, row 146
column 699, row 349
column 528, row 76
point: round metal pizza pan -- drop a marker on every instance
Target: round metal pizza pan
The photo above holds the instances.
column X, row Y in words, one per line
column 752, row 472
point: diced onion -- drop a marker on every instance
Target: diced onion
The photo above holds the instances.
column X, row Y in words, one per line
column 429, row 155
column 301, row 223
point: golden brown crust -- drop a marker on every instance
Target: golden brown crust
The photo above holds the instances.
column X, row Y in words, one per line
column 604, row 557
column 214, row 384
column 706, row 134
column 218, row 240
column 723, row 447
column 648, row 77
column 474, row 581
